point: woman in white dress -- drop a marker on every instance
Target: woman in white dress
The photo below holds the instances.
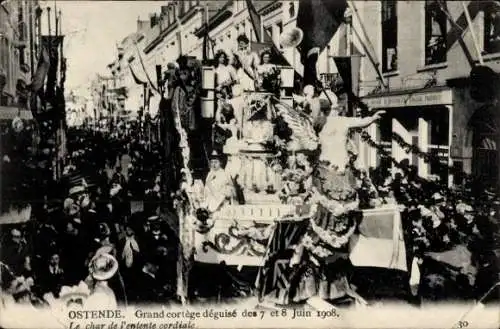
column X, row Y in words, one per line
column 245, row 61
column 264, row 68
column 225, row 75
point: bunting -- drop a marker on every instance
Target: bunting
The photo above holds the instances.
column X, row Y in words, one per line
column 53, row 44
column 136, row 79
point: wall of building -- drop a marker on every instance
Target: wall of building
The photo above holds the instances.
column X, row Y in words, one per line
column 412, row 71
column 15, row 52
column 413, row 75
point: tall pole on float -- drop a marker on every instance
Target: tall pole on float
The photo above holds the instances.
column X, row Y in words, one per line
column 48, row 22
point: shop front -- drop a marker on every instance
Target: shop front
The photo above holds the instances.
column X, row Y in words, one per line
column 415, row 120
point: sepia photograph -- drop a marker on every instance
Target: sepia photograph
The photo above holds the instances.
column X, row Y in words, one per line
column 249, row 164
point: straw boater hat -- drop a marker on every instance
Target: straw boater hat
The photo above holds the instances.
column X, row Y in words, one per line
column 215, row 155
column 17, row 124
column 103, row 266
column 437, row 197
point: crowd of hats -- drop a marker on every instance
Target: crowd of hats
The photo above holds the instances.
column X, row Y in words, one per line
column 90, row 211
column 24, row 166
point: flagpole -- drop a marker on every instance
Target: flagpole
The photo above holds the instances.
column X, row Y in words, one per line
column 179, row 31
column 358, row 17
column 473, row 33
column 373, row 60
column 56, row 18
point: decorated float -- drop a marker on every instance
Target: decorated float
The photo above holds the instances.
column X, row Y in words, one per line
column 260, row 206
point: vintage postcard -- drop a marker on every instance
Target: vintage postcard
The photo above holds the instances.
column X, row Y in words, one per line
column 249, row 164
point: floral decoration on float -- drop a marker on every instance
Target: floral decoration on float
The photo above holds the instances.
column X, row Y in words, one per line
column 203, row 222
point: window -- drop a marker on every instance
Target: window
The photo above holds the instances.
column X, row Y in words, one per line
column 171, row 17
column 291, row 9
column 492, row 29
column 435, row 33
column 389, row 36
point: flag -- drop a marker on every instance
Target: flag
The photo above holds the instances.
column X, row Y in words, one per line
column 319, row 20
column 275, row 276
column 380, row 241
column 41, row 71
column 257, row 24
column 52, row 43
column 348, row 68
column 264, row 40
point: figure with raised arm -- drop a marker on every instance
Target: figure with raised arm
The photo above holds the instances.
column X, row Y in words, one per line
column 333, row 221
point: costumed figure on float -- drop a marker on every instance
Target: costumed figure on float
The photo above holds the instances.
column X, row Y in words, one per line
column 322, row 257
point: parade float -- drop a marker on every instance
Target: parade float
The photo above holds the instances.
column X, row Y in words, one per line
column 262, row 208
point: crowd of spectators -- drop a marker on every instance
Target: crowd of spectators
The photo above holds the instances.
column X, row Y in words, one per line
column 94, row 208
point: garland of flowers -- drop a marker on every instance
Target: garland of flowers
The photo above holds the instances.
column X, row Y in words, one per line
column 409, row 148
column 330, row 237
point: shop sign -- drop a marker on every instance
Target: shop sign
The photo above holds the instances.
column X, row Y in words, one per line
column 418, row 99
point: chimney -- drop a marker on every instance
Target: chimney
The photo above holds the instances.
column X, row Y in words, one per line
column 153, row 19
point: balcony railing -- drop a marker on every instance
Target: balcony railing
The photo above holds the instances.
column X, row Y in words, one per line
column 330, row 80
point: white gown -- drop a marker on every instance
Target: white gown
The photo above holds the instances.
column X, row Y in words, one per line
column 249, row 61
column 333, row 139
column 217, row 189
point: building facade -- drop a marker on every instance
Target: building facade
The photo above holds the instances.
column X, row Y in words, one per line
column 19, row 43
column 426, row 51
column 423, row 51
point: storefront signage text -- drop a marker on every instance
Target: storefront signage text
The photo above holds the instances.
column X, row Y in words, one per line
column 434, row 98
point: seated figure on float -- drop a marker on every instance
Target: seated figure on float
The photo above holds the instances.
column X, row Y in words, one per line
column 218, row 189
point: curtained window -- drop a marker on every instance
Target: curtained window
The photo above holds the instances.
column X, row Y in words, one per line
column 389, row 36
column 435, row 33
column 492, row 29
column 291, row 9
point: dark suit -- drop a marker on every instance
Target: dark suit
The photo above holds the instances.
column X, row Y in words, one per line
column 51, row 280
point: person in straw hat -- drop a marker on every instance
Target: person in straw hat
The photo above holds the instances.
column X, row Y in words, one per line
column 102, row 268
column 217, row 184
